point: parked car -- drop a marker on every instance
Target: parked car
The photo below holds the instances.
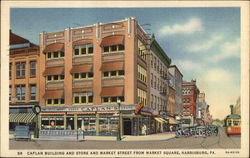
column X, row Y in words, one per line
column 22, row 132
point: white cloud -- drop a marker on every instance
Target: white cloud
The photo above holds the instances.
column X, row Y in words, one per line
column 227, row 50
column 193, row 25
column 188, row 65
column 214, row 76
column 199, row 47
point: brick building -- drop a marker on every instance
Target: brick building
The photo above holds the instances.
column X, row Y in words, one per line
column 23, row 79
column 86, row 70
column 190, row 94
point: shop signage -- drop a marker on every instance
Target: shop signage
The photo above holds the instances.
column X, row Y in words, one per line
column 138, row 108
column 94, row 108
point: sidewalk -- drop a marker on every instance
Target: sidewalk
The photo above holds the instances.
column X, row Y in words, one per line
column 152, row 137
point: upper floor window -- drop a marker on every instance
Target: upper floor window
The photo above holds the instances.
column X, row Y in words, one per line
column 142, row 50
column 55, row 102
column 119, row 73
column 54, row 55
column 20, row 92
column 32, row 92
column 20, row 69
column 83, row 98
column 113, row 48
column 142, row 73
column 84, row 49
column 83, row 75
column 142, row 96
column 32, row 68
column 55, row 77
column 112, row 99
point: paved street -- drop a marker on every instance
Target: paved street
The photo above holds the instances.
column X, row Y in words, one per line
column 221, row 141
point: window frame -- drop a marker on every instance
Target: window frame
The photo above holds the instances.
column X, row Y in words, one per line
column 33, row 68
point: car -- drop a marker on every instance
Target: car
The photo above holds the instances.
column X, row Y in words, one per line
column 22, row 132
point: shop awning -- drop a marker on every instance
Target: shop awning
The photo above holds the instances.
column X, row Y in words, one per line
column 54, row 47
column 112, row 40
column 53, row 71
column 83, row 41
column 81, row 68
column 161, row 120
column 112, row 66
column 78, row 90
column 53, row 94
column 112, row 91
column 22, row 117
column 172, row 121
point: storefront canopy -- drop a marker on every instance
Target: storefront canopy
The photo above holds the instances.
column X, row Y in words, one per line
column 53, row 71
column 53, row 94
column 81, row 68
column 54, row 47
column 22, row 117
column 112, row 91
column 161, row 120
column 112, row 40
column 112, row 66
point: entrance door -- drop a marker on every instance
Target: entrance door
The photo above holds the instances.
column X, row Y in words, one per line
column 127, row 129
column 70, row 123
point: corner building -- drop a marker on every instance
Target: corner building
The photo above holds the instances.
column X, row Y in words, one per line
column 86, row 70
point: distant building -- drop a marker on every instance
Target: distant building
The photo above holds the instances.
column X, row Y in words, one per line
column 237, row 107
column 173, row 69
column 190, row 93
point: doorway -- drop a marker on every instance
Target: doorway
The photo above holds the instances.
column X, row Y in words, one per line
column 127, row 129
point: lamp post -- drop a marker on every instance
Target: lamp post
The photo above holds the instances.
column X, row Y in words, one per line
column 119, row 120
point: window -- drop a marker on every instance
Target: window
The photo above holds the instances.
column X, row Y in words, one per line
column 152, row 80
column 118, row 73
column 83, row 98
column 155, row 82
column 112, row 99
column 32, row 68
column 142, row 96
column 20, row 70
column 20, row 92
column 10, row 70
column 83, row 75
column 113, row 48
column 55, row 55
column 84, row 49
column 142, row 73
column 55, row 77
column 141, row 50
column 32, row 92
column 56, row 102
column 10, row 93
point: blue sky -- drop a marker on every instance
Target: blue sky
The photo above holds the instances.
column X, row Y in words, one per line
column 203, row 42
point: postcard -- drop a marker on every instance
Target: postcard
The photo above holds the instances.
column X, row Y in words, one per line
column 124, row 79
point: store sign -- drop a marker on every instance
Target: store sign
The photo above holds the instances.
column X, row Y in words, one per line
column 94, row 108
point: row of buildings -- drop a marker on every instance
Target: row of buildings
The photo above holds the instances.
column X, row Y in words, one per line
column 83, row 77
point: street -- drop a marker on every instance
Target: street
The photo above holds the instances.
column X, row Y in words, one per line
column 221, row 141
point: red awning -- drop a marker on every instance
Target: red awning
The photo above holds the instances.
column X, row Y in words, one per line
column 81, row 68
column 53, row 94
column 54, row 47
column 83, row 41
column 112, row 91
column 112, row 40
column 112, row 66
column 53, row 71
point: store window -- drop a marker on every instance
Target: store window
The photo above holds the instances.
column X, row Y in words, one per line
column 20, row 70
column 55, row 55
column 83, row 98
column 84, row 49
column 108, row 74
column 83, row 75
column 32, row 68
column 20, row 92
column 112, row 99
column 32, row 92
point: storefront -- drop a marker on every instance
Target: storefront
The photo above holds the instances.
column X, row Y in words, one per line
column 97, row 120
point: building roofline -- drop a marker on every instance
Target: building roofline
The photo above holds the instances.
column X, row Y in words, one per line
column 177, row 69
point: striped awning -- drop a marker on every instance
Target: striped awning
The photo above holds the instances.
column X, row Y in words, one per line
column 22, row 117
column 161, row 120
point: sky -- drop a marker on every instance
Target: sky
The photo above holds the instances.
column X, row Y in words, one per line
column 204, row 43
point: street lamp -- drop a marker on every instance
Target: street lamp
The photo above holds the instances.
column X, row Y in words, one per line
column 119, row 120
